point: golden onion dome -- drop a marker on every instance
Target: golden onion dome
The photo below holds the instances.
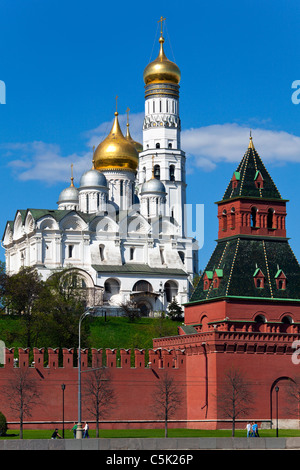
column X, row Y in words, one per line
column 115, row 152
column 162, row 69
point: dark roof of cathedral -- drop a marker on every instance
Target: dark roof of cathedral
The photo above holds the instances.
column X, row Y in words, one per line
column 246, row 173
column 238, row 260
column 140, row 268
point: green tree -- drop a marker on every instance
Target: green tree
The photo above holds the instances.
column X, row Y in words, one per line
column 175, row 311
column 60, row 305
column 3, row 280
column 21, row 292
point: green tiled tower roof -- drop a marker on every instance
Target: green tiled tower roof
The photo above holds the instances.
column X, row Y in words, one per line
column 246, row 173
column 240, row 259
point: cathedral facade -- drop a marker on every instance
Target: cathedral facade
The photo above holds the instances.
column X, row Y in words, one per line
column 123, row 229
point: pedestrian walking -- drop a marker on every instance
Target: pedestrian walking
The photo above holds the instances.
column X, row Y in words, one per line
column 255, row 429
column 74, row 429
column 249, row 429
column 86, row 431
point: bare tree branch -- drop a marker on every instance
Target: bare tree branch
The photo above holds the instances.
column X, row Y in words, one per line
column 99, row 394
column 166, row 399
column 235, row 397
column 22, row 394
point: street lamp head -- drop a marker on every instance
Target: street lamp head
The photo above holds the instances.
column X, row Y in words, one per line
column 89, row 311
column 63, row 387
column 276, row 389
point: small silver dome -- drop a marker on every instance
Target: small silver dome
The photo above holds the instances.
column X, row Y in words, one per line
column 69, row 194
column 93, row 178
column 153, row 186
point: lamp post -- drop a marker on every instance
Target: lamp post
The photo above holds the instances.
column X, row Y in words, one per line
column 79, row 424
column 276, row 390
column 63, row 387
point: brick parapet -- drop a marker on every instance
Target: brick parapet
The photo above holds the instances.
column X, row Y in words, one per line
column 232, row 341
column 157, row 358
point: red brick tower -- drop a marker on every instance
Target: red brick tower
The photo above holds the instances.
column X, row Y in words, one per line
column 245, row 311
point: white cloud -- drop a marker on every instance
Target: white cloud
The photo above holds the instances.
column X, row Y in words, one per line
column 206, row 147
column 210, row 145
column 43, row 162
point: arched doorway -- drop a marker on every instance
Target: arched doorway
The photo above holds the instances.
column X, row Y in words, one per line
column 275, row 390
column 111, row 288
column 171, row 290
column 145, row 308
column 143, row 296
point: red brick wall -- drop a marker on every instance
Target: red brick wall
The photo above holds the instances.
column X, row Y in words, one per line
column 134, row 386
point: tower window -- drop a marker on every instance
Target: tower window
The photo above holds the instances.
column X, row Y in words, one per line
column 224, row 220
column 157, row 172
column 131, row 254
column 280, row 278
column 235, row 179
column 101, row 252
column 260, row 319
column 172, row 172
column 170, row 145
column 270, row 219
column 287, row 320
column 259, row 279
column 258, row 179
column 181, row 255
column 157, row 145
column 70, row 251
column 232, row 218
column 254, row 217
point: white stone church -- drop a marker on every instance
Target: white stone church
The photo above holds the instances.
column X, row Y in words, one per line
column 123, row 229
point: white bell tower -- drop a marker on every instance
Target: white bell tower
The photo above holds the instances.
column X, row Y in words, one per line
column 161, row 134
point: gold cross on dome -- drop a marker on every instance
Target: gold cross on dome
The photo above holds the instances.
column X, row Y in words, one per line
column 161, row 24
column 72, row 179
column 127, row 111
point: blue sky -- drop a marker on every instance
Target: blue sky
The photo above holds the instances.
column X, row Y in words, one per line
column 64, row 62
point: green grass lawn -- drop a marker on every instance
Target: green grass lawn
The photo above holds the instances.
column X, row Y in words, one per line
column 115, row 332
column 118, row 332
column 148, row 433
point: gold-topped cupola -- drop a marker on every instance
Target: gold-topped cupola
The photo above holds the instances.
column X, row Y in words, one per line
column 116, row 152
column 162, row 69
